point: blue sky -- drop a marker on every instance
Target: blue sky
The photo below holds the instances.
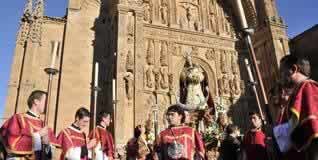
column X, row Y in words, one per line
column 299, row 15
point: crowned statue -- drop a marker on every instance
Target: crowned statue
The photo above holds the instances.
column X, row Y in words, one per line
column 194, row 91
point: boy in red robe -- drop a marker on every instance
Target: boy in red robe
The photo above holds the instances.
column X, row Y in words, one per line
column 24, row 134
column 303, row 104
column 254, row 140
column 73, row 140
column 105, row 143
column 178, row 141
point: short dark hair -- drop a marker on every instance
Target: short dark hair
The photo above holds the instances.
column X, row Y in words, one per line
column 254, row 113
column 81, row 113
column 101, row 115
column 231, row 128
column 178, row 109
column 35, row 95
column 302, row 62
column 137, row 131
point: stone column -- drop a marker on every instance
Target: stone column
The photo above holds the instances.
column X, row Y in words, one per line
column 124, row 114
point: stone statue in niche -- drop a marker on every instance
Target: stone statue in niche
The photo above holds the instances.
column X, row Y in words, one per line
column 130, row 61
column 129, row 83
column 224, row 85
column 150, row 79
column 170, row 79
column 220, row 17
column 164, row 11
column 224, row 62
column 157, row 78
column 164, row 53
column 164, row 81
column 147, row 11
column 150, row 57
column 212, row 15
column 234, row 63
column 130, row 28
column 193, row 87
column 235, row 85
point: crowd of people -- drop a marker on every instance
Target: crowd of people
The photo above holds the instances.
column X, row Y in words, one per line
column 25, row 136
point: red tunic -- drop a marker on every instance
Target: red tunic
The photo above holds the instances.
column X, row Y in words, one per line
column 187, row 136
column 18, row 133
column 254, row 145
column 71, row 138
column 303, row 106
column 105, row 138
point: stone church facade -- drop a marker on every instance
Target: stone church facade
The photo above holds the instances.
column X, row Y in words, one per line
column 141, row 47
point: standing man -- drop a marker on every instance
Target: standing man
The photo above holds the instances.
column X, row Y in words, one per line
column 303, row 105
column 73, row 140
column 105, row 143
column 231, row 146
column 254, row 140
column 178, row 142
column 24, row 134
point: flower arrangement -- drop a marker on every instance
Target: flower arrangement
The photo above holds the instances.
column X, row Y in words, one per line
column 150, row 137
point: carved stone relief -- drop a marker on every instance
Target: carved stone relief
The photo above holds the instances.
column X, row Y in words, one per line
column 149, row 77
column 130, row 61
column 164, row 53
column 164, row 81
column 234, row 63
column 235, row 85
column 195, row 51
column 210, row 54
column 150, row 57
column 129, row 84
column 224, row 62
column 130, row 28
column 148, row 7
column 156, row 73
column 224, row 85
column 170, row 79
column 164, row 12
column 189, row 18
column 212, row 16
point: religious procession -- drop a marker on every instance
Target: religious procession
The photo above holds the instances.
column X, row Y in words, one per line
column 25, row 136
column 160, row 80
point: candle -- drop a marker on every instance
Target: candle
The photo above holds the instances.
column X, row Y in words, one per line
column 96, row 74
column 114, row 90
column 54, row 53
column 249, row 71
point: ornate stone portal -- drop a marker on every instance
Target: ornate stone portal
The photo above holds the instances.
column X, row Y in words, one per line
column 142, row 46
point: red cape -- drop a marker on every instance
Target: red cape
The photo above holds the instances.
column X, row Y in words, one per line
column 17, row 133
column 304, row 108
column 106, row 140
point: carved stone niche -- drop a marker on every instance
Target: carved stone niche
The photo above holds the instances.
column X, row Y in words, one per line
column 189, row 15
column 164, row 53
column 150, row 51
column 210, row 54
column 164, row 12
column 149, row 80
column 224, row 85
column 148, row 8
column 129, row 85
